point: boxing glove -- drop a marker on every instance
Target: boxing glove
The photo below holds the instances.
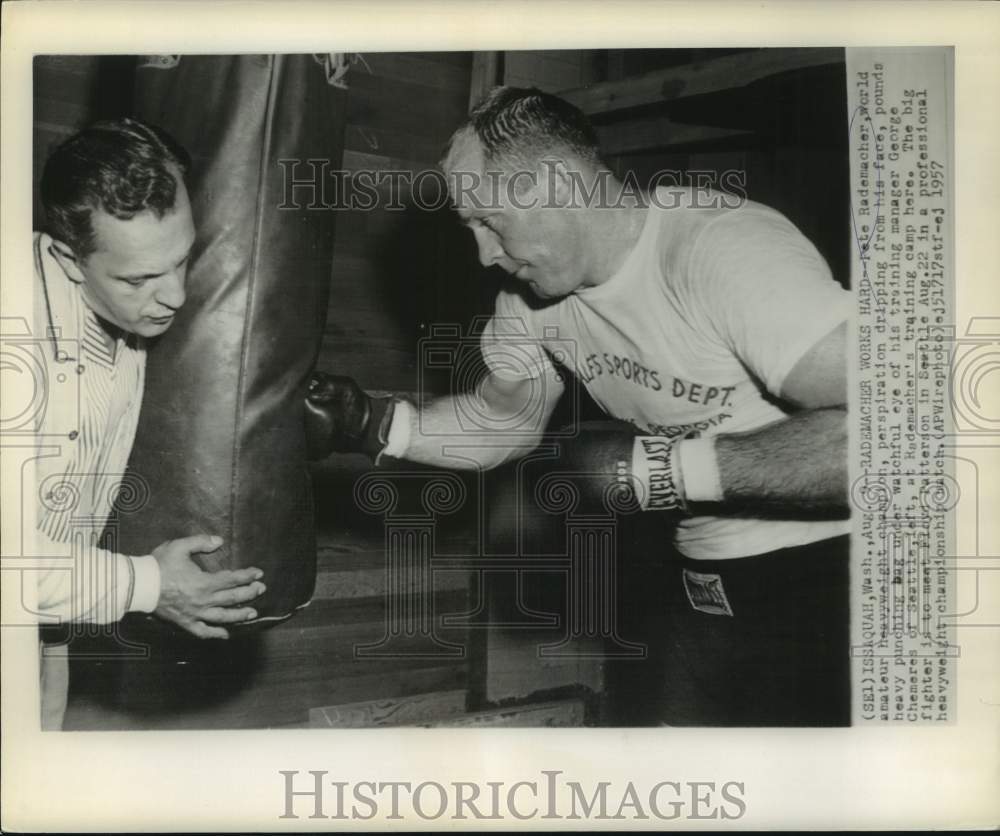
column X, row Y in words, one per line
column 615, row 470
column 341, row 417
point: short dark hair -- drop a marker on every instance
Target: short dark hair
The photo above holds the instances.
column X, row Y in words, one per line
column 524, row 124
column 121, row 166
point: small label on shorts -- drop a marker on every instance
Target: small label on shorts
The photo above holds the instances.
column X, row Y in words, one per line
column 705, row 593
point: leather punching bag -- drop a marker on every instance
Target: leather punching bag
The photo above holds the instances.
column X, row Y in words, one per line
column 220, row 440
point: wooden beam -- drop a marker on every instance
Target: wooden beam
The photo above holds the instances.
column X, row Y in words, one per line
column 397, row 711
column 616, row 64
column 649, row 134
column 557, row 713
column 352, row 570
column 413, row 67
column 487, row 72
column 445, row 709
column 515, row 670
column 695, row 79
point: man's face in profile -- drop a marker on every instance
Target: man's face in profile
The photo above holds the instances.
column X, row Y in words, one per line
column 515, row 224
column 135, row 276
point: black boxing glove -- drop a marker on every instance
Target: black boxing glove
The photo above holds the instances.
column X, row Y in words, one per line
column 340, row 417
column 612, row 469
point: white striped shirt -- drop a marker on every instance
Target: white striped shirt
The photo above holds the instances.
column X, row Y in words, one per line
column 89, row 424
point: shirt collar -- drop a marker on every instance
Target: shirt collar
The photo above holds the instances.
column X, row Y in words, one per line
column 73, row 329
column 60, row 301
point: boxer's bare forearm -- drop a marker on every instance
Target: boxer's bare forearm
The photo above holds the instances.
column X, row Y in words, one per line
column 501, row 420
column 798, row 464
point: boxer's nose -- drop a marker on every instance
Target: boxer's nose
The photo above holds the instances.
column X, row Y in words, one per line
column 170, row 292
column 490, row 251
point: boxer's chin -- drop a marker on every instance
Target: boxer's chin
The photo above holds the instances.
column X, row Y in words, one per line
column 543, row 292
column 154, row 327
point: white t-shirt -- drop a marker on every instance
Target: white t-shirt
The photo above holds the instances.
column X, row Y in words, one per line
column 709, row 313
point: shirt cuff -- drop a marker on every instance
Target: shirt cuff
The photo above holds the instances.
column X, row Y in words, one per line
column 146, row 595
column 398, row 440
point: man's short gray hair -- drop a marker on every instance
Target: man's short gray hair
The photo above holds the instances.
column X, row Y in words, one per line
column 519, row 127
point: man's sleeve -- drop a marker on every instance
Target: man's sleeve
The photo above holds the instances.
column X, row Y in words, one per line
column 766, row 291
column 96, row 586
column 509, row 347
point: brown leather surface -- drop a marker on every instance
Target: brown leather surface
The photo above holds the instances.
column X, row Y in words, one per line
column 220, row 439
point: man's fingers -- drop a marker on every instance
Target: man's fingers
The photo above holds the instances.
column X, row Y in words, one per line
column 204, row 631
column 222, row 615
column 235, row 595
column 199, row 543
column 231, row 578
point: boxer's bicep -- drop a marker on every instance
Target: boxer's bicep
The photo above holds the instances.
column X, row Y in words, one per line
column 533, row 399
column 770, row 297
column 819, row 378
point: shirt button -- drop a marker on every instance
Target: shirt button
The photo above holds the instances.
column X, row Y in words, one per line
column 73, row 435
column 79, row 369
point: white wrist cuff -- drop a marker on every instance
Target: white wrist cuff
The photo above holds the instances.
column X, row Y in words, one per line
column 398, row 440
column 654, row 468
column 146, row 594
column 699, row 467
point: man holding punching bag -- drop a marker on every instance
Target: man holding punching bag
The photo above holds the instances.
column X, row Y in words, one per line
column 713, row 331
column 110, row 275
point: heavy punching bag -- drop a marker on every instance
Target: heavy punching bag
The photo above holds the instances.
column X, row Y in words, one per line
column 220, row 442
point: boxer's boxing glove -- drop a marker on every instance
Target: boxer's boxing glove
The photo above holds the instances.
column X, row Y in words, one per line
column 341, row 417
column 613, row 469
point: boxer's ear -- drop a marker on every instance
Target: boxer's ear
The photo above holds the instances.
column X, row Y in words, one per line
column 559, row 182
column 68, row 260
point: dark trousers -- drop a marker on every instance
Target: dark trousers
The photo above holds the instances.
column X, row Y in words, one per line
column 758, row 641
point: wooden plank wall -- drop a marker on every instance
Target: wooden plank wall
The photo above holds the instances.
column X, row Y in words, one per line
column 71, row 91
column 794, row 158
column 398, row 271
column 553, row 70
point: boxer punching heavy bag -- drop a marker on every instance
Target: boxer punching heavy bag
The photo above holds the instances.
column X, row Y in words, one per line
column 220, row 440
